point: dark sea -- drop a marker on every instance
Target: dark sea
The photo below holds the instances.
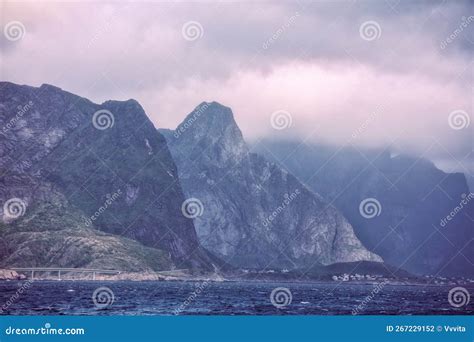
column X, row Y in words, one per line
column 225, row 298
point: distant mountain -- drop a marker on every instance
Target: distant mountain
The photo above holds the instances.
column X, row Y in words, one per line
column 407, row 230
column 79, row 181
column 248, row 211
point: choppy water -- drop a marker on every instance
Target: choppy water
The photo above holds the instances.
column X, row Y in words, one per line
column 226, row 298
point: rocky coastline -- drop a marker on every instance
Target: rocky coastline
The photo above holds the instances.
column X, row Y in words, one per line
column 11, row 275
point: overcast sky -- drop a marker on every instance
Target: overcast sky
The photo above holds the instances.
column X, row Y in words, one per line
column 371, row 73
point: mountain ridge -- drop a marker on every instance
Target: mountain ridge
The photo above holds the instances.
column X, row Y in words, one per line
column 413, row 195
column 101, row 180
column 89, row 151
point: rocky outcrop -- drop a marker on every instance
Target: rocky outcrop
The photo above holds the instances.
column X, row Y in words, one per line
column 10, row 275
column 248, row 211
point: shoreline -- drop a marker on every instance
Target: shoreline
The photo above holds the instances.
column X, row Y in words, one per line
column 7, row 275
column 250, row 281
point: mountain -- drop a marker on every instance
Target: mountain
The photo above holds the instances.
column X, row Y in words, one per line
column 248, row 211
column 89, row 183
column 409, row 229
column 51, row 232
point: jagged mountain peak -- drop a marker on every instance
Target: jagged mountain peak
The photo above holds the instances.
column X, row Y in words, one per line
column 212, row 132
column 214, row 110
column 211, row 118
column 255, row 215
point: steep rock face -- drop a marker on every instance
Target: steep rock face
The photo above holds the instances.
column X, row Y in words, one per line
column 254, row 214
column 107, row 161
column 411, row 230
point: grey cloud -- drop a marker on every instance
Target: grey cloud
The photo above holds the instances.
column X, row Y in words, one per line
column 259, row 57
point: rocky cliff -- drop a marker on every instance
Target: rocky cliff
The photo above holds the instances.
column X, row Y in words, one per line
column 248, row 211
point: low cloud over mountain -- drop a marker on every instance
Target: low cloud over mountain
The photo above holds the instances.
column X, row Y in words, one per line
column 393, row 72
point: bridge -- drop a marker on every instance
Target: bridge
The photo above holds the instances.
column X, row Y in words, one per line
column 93, row 271
column 63, row 270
